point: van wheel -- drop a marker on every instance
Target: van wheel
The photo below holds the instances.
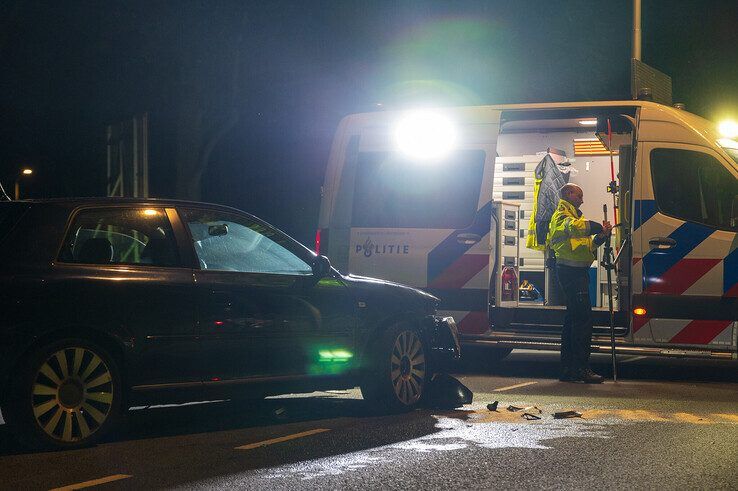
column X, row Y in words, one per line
column 67, row 395
column 400, row 373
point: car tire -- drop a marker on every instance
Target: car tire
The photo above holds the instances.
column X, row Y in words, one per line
column 67, row 394
column 399, row 372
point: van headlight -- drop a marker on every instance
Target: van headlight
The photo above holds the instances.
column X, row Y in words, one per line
column 425, row 135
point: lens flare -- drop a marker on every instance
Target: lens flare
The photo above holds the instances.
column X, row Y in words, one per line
column 728, row 128
column 425, row 135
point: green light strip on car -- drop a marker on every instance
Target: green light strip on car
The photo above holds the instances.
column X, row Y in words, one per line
column 338, row 355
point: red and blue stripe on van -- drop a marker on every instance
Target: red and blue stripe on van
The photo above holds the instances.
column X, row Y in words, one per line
column 451, row 267
column 669, row 274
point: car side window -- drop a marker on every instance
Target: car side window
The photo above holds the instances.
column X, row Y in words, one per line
column 230, row 242
column 693, row 186
column 120, row 236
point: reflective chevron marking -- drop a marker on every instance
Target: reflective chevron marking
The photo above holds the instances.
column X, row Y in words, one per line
column 700, row 331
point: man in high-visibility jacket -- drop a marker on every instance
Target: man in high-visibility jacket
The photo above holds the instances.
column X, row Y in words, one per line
column 570, row 239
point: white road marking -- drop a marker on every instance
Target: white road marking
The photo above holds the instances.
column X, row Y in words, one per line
column 635, row 358
column 524, row 384
column 282, row 439
column 94, row 482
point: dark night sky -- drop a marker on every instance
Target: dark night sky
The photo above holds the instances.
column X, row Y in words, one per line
column 70, row 68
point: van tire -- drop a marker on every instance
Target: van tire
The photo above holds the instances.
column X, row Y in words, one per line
column 399, row 372
column 67, row 394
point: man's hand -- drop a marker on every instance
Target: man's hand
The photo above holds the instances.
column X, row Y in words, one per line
column 606, row 228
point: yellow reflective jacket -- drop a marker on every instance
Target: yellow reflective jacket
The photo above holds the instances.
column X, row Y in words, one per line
column 570, row 237
column 532, row 239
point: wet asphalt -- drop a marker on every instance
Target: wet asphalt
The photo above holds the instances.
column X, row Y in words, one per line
column 665, row 424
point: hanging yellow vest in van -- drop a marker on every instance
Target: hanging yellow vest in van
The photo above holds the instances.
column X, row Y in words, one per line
column 570, row 238
column 531, row 242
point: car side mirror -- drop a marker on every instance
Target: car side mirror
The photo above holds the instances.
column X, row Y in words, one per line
column 321, row 267
column 218, row 230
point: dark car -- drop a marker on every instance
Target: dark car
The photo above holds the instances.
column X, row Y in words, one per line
column 107, row 303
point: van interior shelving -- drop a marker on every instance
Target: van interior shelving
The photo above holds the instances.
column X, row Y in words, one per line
column 581, row 154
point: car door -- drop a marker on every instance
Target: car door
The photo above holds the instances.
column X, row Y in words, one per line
column 687, row 248
column 119, row 270
column 261, row 311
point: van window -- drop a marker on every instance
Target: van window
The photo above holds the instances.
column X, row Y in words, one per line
column 693, row 186
column 393, row 192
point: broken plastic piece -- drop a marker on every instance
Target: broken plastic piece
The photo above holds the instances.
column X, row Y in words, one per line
column 493, row 406
column 567, row 414
column 530, row 409
column 445, row 391
column 530, row 417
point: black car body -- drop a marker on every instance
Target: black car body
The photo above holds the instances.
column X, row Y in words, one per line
column 173, row 300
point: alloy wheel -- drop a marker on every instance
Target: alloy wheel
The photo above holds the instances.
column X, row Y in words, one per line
column 408, row 367
column 72, row 394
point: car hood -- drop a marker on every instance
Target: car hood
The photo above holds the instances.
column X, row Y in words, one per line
column 367, row 288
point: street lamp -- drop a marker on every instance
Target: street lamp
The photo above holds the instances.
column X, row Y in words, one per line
column 24, row 172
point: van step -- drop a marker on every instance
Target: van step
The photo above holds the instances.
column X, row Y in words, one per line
column 605, row 348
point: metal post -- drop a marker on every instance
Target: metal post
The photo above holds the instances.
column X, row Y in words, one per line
column 145, row 153
column 607, row 263
column 636, row 30
column 109, row 135
column 135, row 157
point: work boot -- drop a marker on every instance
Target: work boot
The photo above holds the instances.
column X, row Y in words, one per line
column 589, row 377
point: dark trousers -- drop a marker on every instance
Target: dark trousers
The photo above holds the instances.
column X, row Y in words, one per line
column 576, row 335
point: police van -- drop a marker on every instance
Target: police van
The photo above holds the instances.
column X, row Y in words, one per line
column 442, row 199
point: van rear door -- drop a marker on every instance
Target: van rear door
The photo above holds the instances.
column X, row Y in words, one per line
column 424, row 222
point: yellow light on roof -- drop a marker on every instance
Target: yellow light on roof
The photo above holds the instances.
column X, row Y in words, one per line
column 590, row 146
column 150, row 212
column 588, row 122
column 27, row 172
column 728, row 128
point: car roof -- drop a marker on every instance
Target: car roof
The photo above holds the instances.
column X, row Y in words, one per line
column 70, row 204
column 104, row 201
column 112, row 200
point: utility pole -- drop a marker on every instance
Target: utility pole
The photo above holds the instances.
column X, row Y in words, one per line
column 636, row 30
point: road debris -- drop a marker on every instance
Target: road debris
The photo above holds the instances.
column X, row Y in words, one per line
column 445, row 391
column 567, row 414
column 528, row 409
column 530, row 417
column 493, row 406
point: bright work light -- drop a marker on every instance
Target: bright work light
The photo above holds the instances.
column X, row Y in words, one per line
column 425, row 135
column 728, row 129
